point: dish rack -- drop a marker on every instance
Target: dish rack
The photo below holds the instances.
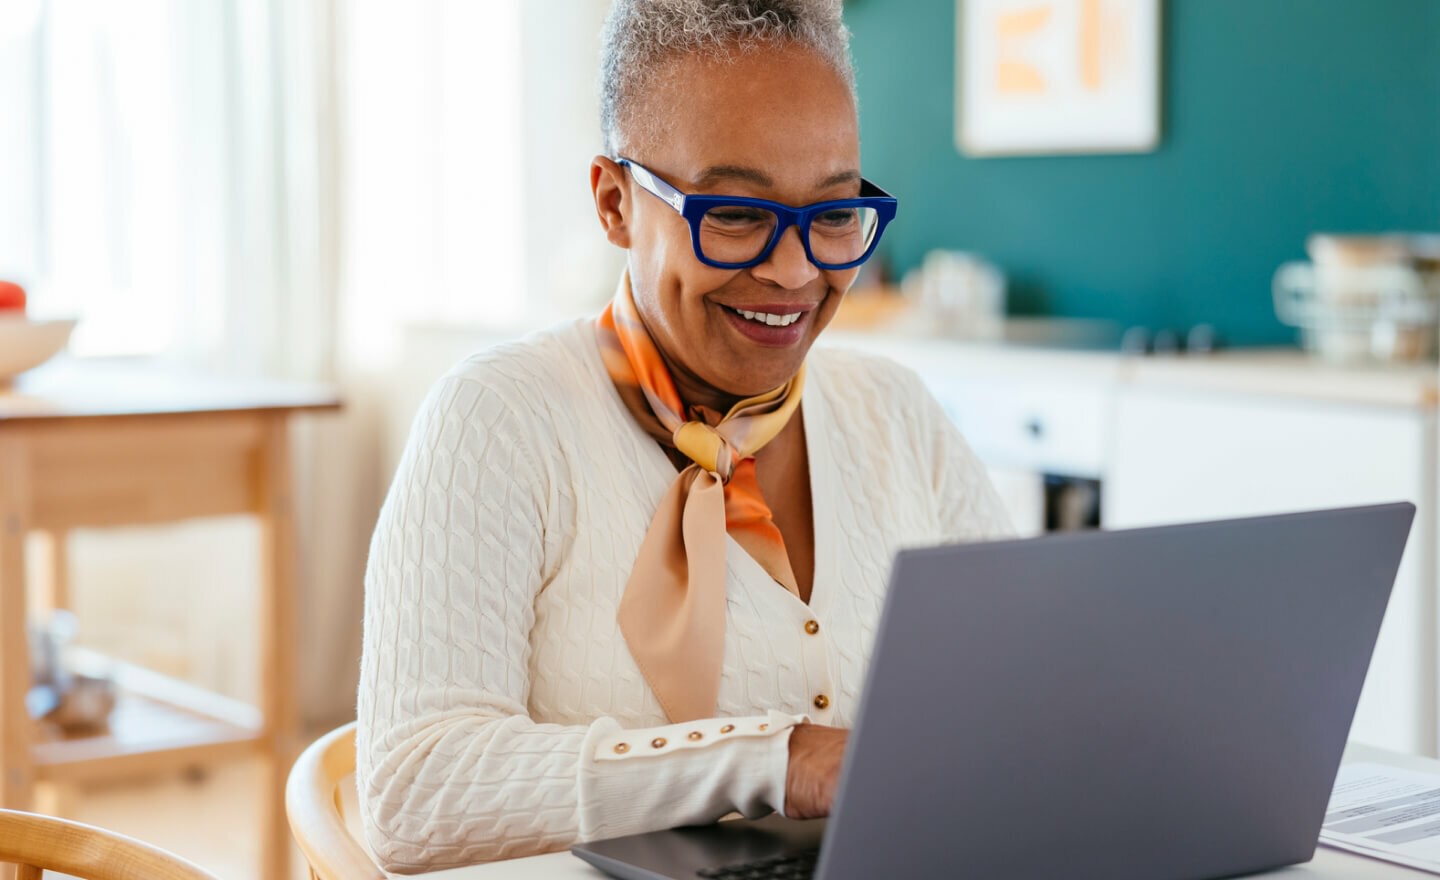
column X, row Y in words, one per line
column 1384, row 313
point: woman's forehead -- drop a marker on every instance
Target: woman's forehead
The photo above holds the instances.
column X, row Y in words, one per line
column 729, row 177
column 781, row 118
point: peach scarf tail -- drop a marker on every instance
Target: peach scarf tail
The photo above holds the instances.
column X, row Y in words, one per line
column 669, row 622
column 673, row 611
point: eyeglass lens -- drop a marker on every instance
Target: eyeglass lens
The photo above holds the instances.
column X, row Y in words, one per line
column 739, row 233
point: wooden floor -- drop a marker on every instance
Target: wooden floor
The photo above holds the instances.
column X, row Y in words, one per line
column 211, row 816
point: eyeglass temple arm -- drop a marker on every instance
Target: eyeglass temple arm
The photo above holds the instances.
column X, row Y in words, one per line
column 870, row 190
column 655, row 185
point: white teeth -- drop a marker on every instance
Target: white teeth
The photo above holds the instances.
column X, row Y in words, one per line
column 769, row 319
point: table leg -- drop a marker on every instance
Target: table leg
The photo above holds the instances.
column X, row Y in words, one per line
column 278, row 640
column 57, row 569
column 16, row 773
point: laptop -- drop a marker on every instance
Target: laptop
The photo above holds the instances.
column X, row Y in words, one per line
column 1152, row 704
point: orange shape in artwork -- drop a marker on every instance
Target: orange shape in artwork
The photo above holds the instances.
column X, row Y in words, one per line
column 1090, row 45
column 1103, row 43
column 1013, row 76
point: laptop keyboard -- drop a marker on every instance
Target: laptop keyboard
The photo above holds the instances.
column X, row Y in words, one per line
column 796, row 867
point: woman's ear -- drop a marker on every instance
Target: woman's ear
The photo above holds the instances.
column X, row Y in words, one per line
column 612, row 199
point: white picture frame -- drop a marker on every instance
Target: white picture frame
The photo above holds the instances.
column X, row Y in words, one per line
column 1046, row 77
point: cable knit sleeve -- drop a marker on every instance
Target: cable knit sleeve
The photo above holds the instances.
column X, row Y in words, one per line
column 451, row 769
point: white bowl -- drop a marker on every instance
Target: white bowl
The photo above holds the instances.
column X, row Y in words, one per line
column 25, row 343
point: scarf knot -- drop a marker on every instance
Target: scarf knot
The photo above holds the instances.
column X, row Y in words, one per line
column 708, row 448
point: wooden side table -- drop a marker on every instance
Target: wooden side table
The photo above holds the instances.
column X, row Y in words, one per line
column 85, row 445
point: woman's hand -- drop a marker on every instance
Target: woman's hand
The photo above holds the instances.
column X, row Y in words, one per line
column 814, row 771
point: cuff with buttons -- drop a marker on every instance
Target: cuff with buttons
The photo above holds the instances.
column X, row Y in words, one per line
column 699, row 734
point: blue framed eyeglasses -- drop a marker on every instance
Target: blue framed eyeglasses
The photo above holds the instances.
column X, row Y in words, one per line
column 735, row 232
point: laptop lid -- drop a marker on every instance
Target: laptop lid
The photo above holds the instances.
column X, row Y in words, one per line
column 1154, row 703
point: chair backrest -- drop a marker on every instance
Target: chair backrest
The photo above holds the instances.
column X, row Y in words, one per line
column 314, row 803
column 43, row 843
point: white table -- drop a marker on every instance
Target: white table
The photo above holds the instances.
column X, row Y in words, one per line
column 1328, row 864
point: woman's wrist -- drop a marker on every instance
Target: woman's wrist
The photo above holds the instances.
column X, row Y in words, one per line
column 812, row 773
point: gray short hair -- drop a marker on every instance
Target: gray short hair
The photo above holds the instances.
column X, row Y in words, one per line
column 641, row 35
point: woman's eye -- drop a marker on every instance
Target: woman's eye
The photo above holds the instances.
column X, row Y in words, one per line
column 839, row 218
column 735, row 216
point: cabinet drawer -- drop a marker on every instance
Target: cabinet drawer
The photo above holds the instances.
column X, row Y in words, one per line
column 1034, row 410
column 1055, row 428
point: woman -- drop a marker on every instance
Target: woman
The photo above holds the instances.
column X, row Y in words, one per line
column 630, row 569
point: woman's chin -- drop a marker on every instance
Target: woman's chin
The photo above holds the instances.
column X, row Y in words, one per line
column 761, row 378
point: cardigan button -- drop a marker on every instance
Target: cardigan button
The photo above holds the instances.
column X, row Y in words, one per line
column 812, row 626
column 622, row 748
column 727, row 728
column 695, row 736
column 822, row 702
column 657, row 743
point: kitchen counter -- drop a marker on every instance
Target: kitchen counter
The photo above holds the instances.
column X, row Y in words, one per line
column 1291, row 373
column 1017, row 362
column 1285, row 372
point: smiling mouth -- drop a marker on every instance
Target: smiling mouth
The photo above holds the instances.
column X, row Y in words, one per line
column 770, row 319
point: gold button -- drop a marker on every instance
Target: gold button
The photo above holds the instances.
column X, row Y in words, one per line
column 812, row 627
column 822, row 702
column 622, row 748
column 727, row 728
column 657, row 743
column 764, row 727
column 696, row 736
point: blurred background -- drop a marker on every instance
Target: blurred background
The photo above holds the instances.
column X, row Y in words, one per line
column 1160, row 261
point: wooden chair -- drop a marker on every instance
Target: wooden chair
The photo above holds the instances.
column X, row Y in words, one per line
column 43, row 843
column 315, row 805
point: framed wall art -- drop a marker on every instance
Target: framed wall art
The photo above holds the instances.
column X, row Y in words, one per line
column 1057, row 76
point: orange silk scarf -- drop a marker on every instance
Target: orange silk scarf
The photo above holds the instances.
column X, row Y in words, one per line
column 673, row 611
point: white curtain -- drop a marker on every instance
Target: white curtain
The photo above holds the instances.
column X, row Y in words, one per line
column 282, row 188
column 469, row 128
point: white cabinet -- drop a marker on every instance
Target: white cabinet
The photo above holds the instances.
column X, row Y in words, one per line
column 1025, row 412
column 1054, row 426
column 1183, row 455
column 1237, row 434
column 1034, row 410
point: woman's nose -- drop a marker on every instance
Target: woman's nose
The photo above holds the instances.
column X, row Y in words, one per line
column 788, row 266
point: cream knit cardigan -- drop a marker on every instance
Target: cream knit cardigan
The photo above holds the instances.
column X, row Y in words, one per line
column 500, row 712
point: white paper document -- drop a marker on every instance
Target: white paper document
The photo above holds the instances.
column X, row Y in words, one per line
column 1386, row 813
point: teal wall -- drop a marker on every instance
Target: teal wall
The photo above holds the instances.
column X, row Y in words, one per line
column 1280, row 117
